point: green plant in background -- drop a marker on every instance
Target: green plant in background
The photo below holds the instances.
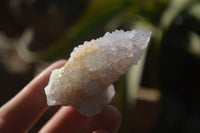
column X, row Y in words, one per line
column 176, row 29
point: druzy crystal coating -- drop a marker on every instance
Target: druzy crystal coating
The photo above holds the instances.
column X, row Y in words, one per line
column 85, row 81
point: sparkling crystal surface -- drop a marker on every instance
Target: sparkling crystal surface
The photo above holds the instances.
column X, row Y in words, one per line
column 85, row 81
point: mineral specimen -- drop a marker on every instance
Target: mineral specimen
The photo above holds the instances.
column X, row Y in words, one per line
column 85, row 81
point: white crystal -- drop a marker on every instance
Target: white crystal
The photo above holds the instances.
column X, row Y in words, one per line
column 85, row 81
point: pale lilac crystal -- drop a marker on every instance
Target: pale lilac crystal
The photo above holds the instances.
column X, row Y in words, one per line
column 85, row 81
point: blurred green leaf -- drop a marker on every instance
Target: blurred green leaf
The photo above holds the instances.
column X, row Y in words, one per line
column 101, row 16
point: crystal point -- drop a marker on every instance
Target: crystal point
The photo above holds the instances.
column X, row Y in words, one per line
column 85, row 81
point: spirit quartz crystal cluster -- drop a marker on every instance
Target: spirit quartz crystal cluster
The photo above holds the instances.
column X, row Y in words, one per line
column 85, row 81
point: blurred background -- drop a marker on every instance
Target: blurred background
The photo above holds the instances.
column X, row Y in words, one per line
column 159, row 95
